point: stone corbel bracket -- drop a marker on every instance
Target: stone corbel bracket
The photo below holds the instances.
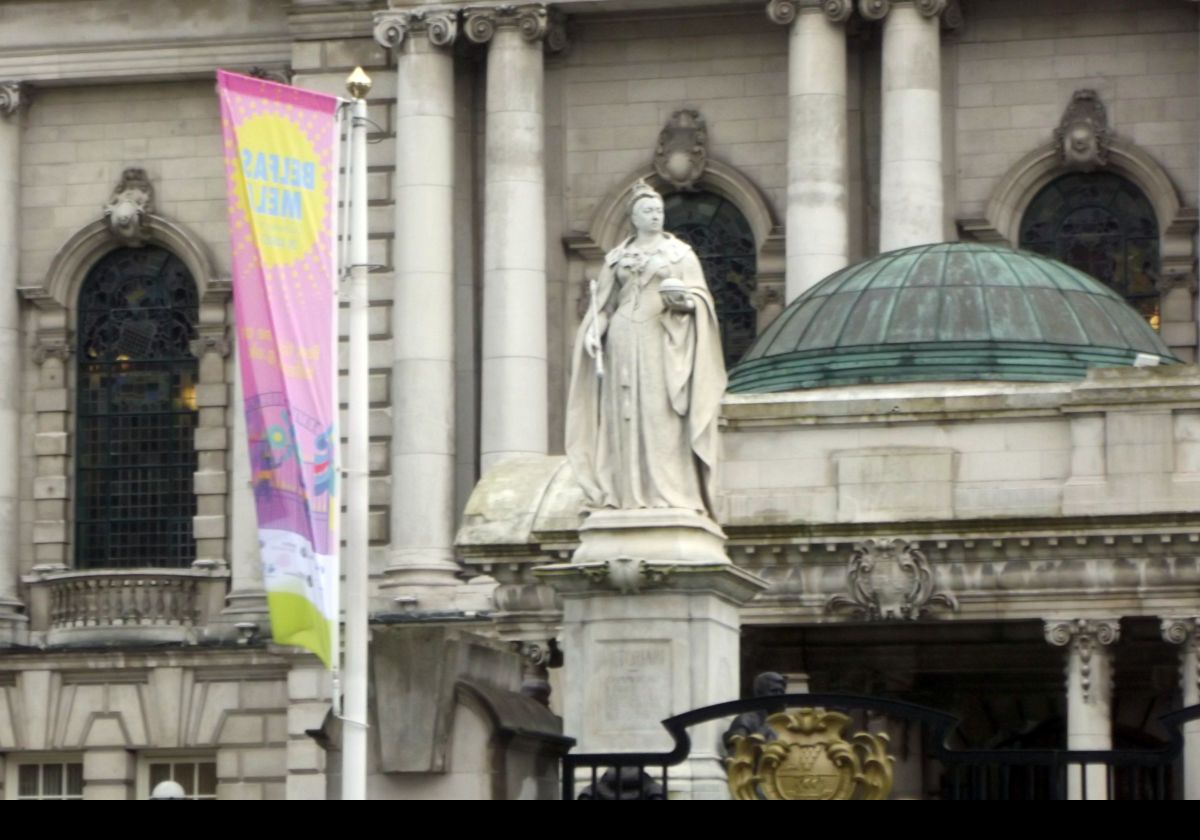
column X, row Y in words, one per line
column 890, row 579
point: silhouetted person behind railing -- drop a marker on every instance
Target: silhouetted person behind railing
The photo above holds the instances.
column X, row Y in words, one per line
column 766, row 684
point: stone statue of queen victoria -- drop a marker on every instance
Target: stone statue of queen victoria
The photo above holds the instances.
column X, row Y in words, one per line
column 647, row 375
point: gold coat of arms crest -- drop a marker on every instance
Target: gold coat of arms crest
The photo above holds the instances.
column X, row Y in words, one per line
column 810, row 758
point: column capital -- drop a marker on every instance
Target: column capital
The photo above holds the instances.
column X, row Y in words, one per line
column 1179, row 631
column 1185, row 632
column 785, row 11
column 878, row 9
column 535, row 21
column 212, row 340
column 1081, row 636
column 13, row 96
column 439, row 24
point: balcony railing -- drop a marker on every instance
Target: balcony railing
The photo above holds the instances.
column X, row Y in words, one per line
column 131, row 604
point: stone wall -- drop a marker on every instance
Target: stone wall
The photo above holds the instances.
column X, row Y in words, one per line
column 1019, row 62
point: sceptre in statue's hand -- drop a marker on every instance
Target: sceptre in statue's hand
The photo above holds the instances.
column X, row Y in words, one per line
column 594, row 345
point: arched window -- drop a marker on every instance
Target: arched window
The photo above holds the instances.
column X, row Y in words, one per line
column 136, row 412
column 1103, row 225
column 724, row 242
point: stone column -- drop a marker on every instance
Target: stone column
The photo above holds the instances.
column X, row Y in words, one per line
column 818, row 228
column 247, row 599
column 423, row 514
column 1185, row 632
column 12, row 619
column 211, row 348
column 514, row 402
column 910, row 188
column 1089, row 695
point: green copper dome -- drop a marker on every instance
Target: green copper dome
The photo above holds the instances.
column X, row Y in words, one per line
column 956, row 310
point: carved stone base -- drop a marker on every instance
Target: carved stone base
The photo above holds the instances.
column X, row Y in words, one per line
column 650, row 629
column 654, row 535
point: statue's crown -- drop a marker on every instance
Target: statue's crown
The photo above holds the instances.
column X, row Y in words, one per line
column 638, row 191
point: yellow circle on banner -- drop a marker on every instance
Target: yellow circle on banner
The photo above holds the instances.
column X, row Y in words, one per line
column 285, row 187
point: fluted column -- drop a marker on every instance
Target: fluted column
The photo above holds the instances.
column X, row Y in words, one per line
column 910, row 188
column 1089, row 694
column 12, row 619
column 818, row 231
column 1185, row 632
column 423, row 515
column 514, row 393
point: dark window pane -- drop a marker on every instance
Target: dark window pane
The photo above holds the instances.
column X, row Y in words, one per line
column 136, row 412
column 206, row 784
column 1102, row 225
column 27, row 779
column 74, row 780
column 722, row 239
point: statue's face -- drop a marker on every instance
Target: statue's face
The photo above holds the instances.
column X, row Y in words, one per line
column 647, row 215
column 1081, row 146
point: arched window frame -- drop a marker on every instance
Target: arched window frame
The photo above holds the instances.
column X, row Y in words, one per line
column 55, row 323
column 609, row 225
column 1177, row 225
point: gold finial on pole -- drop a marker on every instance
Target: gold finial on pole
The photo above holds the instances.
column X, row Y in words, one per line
column 358, row 83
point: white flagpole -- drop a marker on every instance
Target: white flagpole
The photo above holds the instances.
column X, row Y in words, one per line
column 354, row 702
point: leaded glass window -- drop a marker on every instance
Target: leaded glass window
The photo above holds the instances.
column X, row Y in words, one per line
column 136, row 412
column 1103, row 225
column 722, row 239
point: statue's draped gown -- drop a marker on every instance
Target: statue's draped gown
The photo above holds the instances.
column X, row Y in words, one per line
column 645, row 434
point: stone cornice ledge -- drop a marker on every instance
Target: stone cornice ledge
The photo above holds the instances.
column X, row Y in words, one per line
column 1107, row 388
column 143, row 60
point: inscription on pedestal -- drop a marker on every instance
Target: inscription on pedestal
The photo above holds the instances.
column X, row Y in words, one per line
column 632, row 689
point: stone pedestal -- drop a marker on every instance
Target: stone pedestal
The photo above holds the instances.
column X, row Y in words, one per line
column 650, row 629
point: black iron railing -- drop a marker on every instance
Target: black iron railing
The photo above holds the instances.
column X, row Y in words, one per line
column 967, row 774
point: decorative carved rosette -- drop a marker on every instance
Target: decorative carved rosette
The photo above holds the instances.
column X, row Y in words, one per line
column 437, row 24
column 532, row 20
column 1083, row 635
column 785, row 11
column 12, row 97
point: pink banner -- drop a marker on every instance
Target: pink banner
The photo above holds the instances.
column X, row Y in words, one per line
column 281, row 168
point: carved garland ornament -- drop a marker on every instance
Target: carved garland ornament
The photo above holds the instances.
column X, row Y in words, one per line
column 890, row 579
column 810, row 759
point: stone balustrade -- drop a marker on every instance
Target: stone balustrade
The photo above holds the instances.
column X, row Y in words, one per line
column 144, row 604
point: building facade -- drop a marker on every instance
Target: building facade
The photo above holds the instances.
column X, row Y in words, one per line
column 1054, row 514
